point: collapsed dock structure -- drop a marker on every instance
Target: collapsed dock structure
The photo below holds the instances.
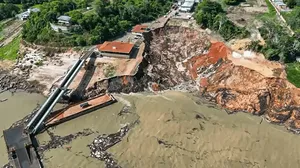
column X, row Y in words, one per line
column 20, row 142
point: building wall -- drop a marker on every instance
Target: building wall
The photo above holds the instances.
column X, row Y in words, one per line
column 56, row 27
column 135, row 33
column 115, row 55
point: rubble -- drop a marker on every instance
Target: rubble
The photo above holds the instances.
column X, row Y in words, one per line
column 31, row 60
column 183, row 59
column 103, row 142
column 125, row 110
column 8, row 165
column 58, row 141
column 9, row 81
column 167, row 49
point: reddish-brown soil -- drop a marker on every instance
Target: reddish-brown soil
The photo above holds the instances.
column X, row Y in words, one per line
column 216, row 52
column 240, row 88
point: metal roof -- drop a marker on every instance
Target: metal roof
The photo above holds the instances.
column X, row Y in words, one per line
column 139, row 28
column 188, row 4
column 116, row 47
column 280, row 3
column 65, row 18
column 35, row 10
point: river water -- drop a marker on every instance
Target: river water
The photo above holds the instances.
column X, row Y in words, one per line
column 173, row 131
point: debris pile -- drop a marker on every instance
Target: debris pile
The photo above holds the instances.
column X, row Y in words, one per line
column 16, row 82
column 30, row 60
column 125, row 110
column 167, row 49
column 58, row 141
column 8, row 165
column 104, row 142
column 184, row 59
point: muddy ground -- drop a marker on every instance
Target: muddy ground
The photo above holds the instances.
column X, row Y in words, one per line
column 12, row 82
column 178, row 58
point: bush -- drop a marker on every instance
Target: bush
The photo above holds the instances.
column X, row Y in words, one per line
column 110, row 19
column 8, row 11
column 211, row 15
column 293, row 73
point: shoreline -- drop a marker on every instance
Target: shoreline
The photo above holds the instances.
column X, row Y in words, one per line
column 156, row 73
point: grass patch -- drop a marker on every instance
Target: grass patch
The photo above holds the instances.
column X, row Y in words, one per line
column 10, row 51
column 109, row 71
column 290, row 19
column 271, row 10
column 37, row 6
column 293, row 73
column 88, row 12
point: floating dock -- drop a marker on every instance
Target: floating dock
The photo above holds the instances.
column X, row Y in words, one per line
column 79, row 109
column 20, row 150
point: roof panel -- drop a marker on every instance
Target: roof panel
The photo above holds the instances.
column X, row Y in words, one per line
column 116, row 47
column 139, row 28
column 66, row 18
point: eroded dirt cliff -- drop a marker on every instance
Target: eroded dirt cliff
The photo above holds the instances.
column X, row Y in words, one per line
column 182, row 58
column 240, row 81
column 248, row 89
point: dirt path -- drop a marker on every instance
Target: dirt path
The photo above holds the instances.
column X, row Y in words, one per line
column 11, row 31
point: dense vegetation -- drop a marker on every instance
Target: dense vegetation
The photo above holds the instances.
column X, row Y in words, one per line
column 111, row 18
column 271, row 10
column 293, row 19
column 280, row 44
column 10, row 51
column 8, row 11
column 24, row 3
column 292, row 3
column 211, row 15
column 293, row 73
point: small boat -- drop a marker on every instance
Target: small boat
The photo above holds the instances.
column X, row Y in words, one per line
column 78, row 109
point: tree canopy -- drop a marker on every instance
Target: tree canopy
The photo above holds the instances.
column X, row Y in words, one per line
column 292, row 3
column 8, row 11
column 280, row 44
column 109, row 19
column 293, row 19
column 210, row 14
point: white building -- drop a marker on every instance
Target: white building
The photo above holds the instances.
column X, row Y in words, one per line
column 64, row 20
column 58, row 28
column 25, row 15
column 187, row 6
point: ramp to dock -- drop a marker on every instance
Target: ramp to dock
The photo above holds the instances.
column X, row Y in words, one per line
column 76, row 110
column 19, row 139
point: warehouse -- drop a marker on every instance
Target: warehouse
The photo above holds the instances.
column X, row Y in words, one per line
column 116, row 49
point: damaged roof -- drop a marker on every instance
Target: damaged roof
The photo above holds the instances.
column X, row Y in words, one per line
column 139, row 28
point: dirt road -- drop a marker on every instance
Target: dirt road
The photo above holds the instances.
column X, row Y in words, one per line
column 11, row 31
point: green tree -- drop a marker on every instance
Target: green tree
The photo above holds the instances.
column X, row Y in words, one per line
column 75, row 16
column 210, row 14
column 8, row 11
column 80, row 41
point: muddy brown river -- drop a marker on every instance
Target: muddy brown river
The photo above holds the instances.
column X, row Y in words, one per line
column 174, row 130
